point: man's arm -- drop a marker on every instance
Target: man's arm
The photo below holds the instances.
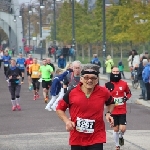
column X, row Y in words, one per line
column 109, row 108
column 62, row 115
column 60, row 110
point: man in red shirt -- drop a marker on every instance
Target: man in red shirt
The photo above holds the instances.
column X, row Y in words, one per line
column 120, row 93
column 86, row 105
column 28, row 62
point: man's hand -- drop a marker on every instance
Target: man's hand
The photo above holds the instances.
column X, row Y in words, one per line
column 10, row 77
column 18, row 77
column 70, row 125
column 110, row 119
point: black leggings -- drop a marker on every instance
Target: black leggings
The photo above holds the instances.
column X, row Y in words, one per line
column 0, row 63
column 14, row 91
column 36, row 83
column 5, row 70
column 147, row 85
column 91, row 147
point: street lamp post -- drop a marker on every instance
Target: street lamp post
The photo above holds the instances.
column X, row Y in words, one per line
column 104, row 37
column 41, row 44
column 73, row 26
column 23, row 34
column 54, row 17
column 29, row 9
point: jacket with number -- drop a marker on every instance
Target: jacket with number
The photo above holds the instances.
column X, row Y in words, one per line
column 109, row 64
column 118, row 91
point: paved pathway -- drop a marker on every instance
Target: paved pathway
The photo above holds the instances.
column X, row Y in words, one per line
column 34, row 128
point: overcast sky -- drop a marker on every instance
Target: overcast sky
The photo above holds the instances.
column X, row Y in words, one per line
column 23, row 1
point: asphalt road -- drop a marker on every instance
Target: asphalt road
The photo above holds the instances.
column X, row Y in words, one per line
column 35, row 128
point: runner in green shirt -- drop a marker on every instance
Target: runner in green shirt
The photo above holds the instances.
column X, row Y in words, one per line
column 46, row 72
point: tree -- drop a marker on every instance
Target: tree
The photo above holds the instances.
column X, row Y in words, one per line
column 64, row 24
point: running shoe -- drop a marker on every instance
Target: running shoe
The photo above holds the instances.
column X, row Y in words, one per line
column 18, row 107
column 49, row 109
column 13, row 108
column 31, row 87
column 53, row 108
column 37, row 95
column 117, row 147
column 46, row 100
column 121, row 141
column 34, row 98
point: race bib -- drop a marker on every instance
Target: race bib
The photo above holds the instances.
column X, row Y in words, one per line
column 118, row 100
column 35, row 73
column 85, row 125
column 6, row 65
column 21, row 65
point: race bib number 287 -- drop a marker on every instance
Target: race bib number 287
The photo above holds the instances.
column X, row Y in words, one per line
column 85, row 125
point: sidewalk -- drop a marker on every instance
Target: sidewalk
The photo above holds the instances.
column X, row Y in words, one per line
column 134, row 140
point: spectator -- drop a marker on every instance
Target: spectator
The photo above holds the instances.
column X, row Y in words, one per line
column 61, row 62
column 20, row 50
column 146, row 55
column 9, row 52
column 145, row 76
column 109, row 65
column 58, row 52
column 95, row 60
column 135, row 59
column 49, row 51
column 129, row 60
column 65, row 52
column 72, row 53
column 142, row 84
column 13, row 51
column 52, row 50
column 121, row 68
column 27, row 50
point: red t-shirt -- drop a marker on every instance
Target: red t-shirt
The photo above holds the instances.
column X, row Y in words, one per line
column 119, row 90
column 86, row 112
column 28, row 62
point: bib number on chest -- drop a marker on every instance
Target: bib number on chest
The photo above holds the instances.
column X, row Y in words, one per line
column 118, row 101
column 6, row 65
column 21, row 65
column 35, row 73
column 85, row 125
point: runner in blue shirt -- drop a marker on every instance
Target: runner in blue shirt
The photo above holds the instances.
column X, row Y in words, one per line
column 21, row 65
column 6, row 59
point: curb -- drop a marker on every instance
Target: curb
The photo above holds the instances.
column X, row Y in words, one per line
column 142, row 102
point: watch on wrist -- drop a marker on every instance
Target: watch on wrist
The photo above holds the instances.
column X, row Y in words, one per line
column 108, row 112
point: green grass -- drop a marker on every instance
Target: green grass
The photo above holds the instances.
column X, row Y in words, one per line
column 116, row 60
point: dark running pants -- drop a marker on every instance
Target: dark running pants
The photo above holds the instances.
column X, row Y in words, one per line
column 5, row 70
column 0, row 63
column 147, row 85
column 90, row 147
column 15, row 91
column 36, row 83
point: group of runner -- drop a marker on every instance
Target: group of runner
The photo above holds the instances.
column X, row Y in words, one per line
column 78, row 89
